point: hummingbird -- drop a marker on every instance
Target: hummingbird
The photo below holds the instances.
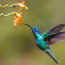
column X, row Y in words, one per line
column 44, row 40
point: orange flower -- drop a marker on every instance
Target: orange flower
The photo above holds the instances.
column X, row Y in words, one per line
column 21, row 5
column 17, row 19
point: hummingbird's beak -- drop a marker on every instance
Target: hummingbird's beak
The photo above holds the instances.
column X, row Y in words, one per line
column 28, row 25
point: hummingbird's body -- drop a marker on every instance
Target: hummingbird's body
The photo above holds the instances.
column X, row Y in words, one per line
column 40, row 39
column 40, row 42
column 43, row 41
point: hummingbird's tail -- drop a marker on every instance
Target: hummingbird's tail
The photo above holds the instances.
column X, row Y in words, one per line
column 50, row 54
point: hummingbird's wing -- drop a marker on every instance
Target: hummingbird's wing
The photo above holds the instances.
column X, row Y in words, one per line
column 56, row 29
column 53, row 38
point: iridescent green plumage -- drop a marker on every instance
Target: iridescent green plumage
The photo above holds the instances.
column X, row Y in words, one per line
column 43, row 41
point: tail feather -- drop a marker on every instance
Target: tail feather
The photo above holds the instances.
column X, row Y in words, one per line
column 50, row 54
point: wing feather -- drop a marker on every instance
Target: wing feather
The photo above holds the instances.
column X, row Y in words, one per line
column 54, row 38
column 56, row 29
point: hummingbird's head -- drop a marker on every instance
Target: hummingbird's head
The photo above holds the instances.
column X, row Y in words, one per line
column 35, row 30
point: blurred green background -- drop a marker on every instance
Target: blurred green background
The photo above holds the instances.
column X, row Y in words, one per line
column 17, row 46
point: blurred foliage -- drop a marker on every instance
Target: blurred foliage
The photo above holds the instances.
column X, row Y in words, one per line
column 17, row 46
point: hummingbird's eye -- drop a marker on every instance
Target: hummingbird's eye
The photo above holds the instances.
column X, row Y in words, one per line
column 35, row 28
